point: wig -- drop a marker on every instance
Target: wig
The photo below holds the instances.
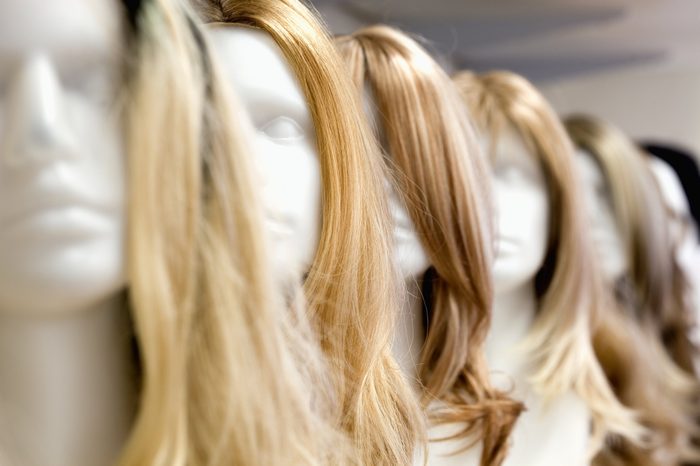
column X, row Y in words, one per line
column 658, row 285
column 652, row 292
column 221, row 375
column 439, row 170
column 349, row 289
column 570, row 296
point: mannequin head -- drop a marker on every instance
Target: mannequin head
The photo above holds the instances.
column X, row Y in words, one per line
column 437, row 169
column 682, row 228
column 630, row 228
column 191, row 253
column 687, row 171
column 285, row 142
column 522, row 212
column 61, row 158
column 657, row 283
column 349, row 287
column 568, row 293
column 410, row 256
column 605, row 233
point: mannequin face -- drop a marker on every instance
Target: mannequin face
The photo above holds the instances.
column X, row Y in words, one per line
column 61, row 159
column 680, row 222
column 409, row 255
column 607, row 240
column 522, row 207
column 285, row 143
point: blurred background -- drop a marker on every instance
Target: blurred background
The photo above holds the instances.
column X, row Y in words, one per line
column 635, row 63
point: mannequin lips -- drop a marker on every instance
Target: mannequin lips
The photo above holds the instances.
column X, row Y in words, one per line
column 52, row 201
column 54, row 187
column 506, row 246
column 279, row 225
column 60, row 218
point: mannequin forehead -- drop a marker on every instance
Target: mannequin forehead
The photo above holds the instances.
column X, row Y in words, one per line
column 257, row 64
column 71, row 31
column 590, row 171
column 511, row 150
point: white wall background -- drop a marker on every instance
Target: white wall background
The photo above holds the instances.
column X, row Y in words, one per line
column 648, row 103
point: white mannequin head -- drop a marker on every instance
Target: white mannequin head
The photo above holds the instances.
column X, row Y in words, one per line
column 285, row 143
column 409, row 254
column 522, row 210
column 605, row 233
column 61, row 163
column 682, row 227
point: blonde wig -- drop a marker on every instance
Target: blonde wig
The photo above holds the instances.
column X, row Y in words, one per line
column 349, row 289
column 441, row 176
column 221, row 382
column 570, row 296
column 651, row 296
column 658, row 288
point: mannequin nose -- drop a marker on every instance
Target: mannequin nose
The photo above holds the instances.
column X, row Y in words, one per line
column 35, row 123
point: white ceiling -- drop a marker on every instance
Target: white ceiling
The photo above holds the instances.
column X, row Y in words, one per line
column 543, row 39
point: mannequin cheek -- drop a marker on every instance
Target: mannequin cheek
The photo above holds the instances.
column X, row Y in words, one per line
column 607, row 241
column 522, row 236
column 310, row 215
column 411, row 258
column 290, row 182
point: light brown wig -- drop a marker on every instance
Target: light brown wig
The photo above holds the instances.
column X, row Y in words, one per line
column 349, row 289
column 569, row 293
column 439, row 171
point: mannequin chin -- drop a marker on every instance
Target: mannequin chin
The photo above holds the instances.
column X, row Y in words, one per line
column 606, row 236
column 522, row 209
column 61, row 160
column 285, row 143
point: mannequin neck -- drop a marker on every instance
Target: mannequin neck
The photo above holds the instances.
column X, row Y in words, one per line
column 67, row 385
column 410, row 334
column 513, row 314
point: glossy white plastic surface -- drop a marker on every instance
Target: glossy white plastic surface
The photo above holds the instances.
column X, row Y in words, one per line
column 285, row 143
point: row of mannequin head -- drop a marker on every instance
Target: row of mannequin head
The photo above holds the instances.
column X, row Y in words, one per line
column 330, row 251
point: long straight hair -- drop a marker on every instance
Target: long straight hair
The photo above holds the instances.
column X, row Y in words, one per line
column 349, row 288
column 441, row 176
column 570, row 296
column 650, row 296
column 221, row 377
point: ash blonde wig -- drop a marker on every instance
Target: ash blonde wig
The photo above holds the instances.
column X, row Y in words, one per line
column 570, row 296
column 440, row 173
column 221, row 375
column 658, row 286
column 652, row 294
column 349, row 289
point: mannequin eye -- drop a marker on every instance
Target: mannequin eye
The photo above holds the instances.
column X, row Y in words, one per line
column 282, row 129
